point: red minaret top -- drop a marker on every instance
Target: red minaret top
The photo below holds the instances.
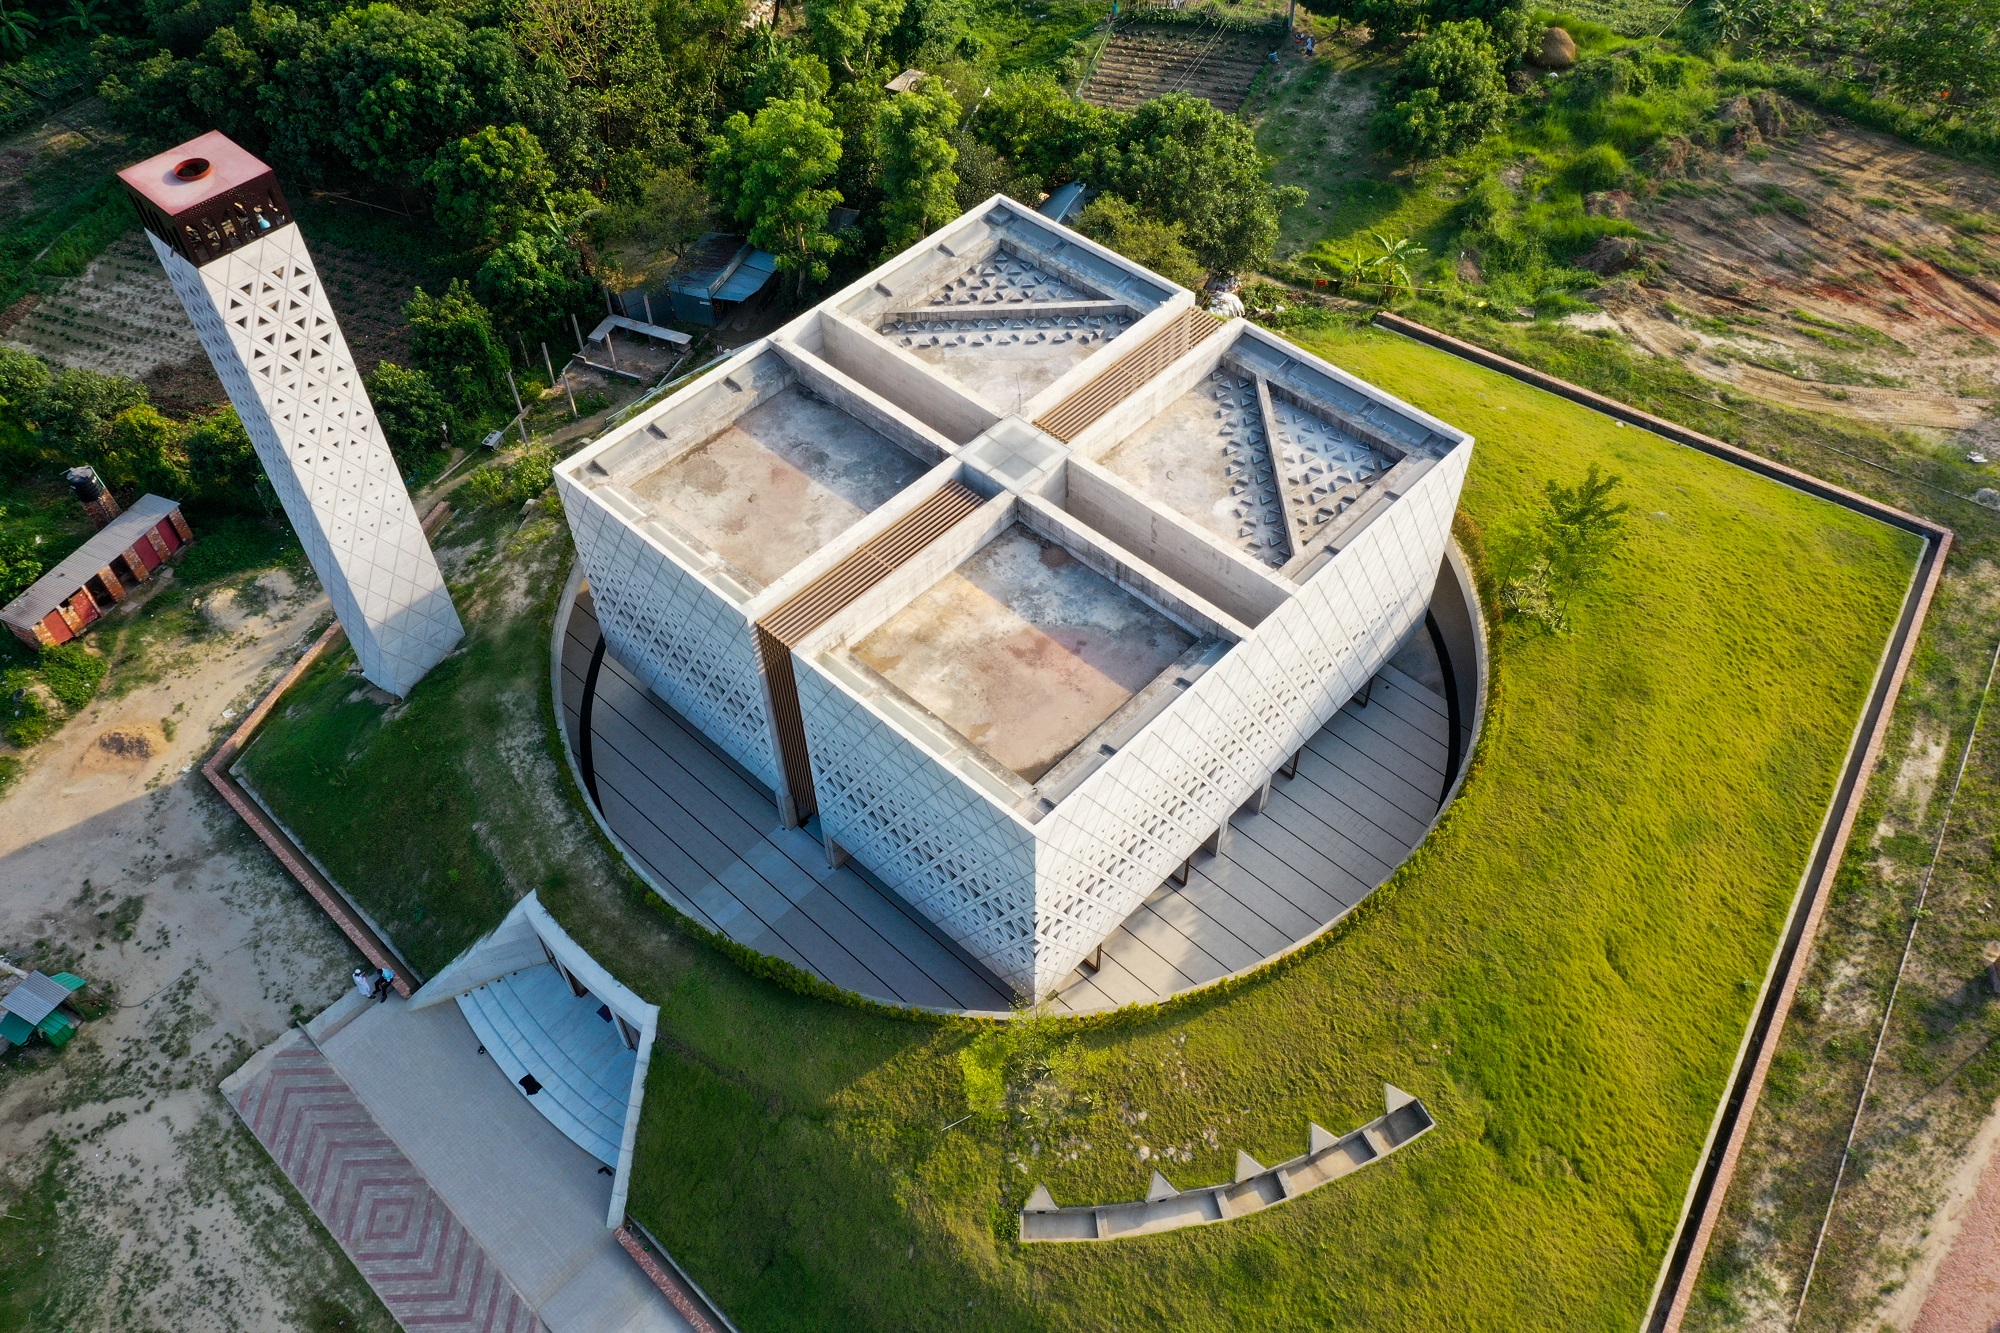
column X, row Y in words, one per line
column 207, row 197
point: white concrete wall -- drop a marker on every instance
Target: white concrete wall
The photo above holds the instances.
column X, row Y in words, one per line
column 1146, row 808
column 941, row 841
column 262, row 316
column 687, row 642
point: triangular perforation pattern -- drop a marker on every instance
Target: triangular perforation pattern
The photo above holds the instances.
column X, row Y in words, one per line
column 277, row 348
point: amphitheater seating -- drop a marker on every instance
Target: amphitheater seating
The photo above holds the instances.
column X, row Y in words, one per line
column 533, row 1025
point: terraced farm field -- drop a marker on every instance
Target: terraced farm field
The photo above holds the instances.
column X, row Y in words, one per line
column 120, row 317
column 1143, row 62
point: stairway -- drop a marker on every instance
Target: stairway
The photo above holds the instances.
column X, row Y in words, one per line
column 532, row 1024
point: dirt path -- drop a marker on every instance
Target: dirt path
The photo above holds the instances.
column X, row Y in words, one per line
column 117, row 862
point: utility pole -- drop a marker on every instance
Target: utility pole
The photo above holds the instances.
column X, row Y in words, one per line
column 520, row 412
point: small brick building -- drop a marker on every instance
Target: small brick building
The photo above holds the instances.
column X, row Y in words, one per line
column 99, row 574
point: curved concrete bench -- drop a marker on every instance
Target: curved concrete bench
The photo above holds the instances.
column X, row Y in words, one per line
column 1255, row 1188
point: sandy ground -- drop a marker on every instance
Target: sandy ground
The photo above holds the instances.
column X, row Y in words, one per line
column 119, row 864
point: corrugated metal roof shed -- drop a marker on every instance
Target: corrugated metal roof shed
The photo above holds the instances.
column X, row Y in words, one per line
column 49, row 591
column 749, row 277
column 34, row 997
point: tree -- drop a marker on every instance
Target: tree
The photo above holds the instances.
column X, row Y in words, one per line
column 386, row 88
column 1453, row 92
column 1565, row 549
column 452, row 341
column 414, row 415
column 929, row 30
column 497, row 182
column 1182, row 160
column 1034, row 123
column 1396, row 260
column 919, row 186
column 768, row 174
column 609, row 50
column 532, row 280
column 636, row 242
column 1944, row 54
column 849, row 33
column 1158, row 245
column 784, row 71
column 1582, row 528
column 17, row 28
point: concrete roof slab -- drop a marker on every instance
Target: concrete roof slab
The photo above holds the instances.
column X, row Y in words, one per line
column 1023, row 650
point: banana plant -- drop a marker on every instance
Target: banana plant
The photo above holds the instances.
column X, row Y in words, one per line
column 86, row 18
column 1397, row 260
column 17, row 29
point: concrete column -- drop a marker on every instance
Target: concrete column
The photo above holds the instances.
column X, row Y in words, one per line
column 1259, row 799
column 836, row 855
column 1218, row 841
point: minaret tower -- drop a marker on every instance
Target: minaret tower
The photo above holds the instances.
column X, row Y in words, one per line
column 226, row 236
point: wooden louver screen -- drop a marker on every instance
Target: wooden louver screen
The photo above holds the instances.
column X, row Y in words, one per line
column 806, row 610
column 1068, row 418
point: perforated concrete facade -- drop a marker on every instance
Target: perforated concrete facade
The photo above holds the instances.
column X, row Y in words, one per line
column 1332, row 512
column 262, row 315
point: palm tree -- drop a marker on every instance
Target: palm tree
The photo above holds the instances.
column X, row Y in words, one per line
column 17, row 29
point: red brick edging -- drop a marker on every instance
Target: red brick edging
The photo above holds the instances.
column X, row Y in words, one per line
column 668, row 1282
column 289, row 855
column 1710, row 1186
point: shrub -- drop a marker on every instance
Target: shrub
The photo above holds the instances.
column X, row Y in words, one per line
column 414, row 415
column 25, row 716
column 77, row 408
column 20, row 566
column 23, row 377
column 502, row 484
column 72, row 672
column 1599, row 167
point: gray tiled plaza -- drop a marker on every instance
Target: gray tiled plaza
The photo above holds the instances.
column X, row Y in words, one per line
column 534, row 1200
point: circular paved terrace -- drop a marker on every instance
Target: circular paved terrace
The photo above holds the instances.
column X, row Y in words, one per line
column 1366, row 791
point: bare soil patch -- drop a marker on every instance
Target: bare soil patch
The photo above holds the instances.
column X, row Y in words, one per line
column 118, row 863
column 1841, row 271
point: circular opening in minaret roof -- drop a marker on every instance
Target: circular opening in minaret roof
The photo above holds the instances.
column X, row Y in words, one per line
column 192, row 169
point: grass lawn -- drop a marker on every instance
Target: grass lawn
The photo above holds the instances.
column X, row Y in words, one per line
column 1563, row 973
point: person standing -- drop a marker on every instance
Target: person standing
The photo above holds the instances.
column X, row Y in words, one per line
column 384, row 984
column 364, row 981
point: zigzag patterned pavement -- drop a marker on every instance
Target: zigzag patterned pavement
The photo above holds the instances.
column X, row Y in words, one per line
column 427, row 1268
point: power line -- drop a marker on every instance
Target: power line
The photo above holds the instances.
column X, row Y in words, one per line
column 1909, row 942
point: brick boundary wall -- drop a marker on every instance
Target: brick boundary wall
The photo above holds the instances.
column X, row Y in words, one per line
column 321, row 890
column 1710, row 1186
column 692, row 1305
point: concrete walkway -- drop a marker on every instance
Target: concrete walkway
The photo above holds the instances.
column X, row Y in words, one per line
column 531, row 1200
